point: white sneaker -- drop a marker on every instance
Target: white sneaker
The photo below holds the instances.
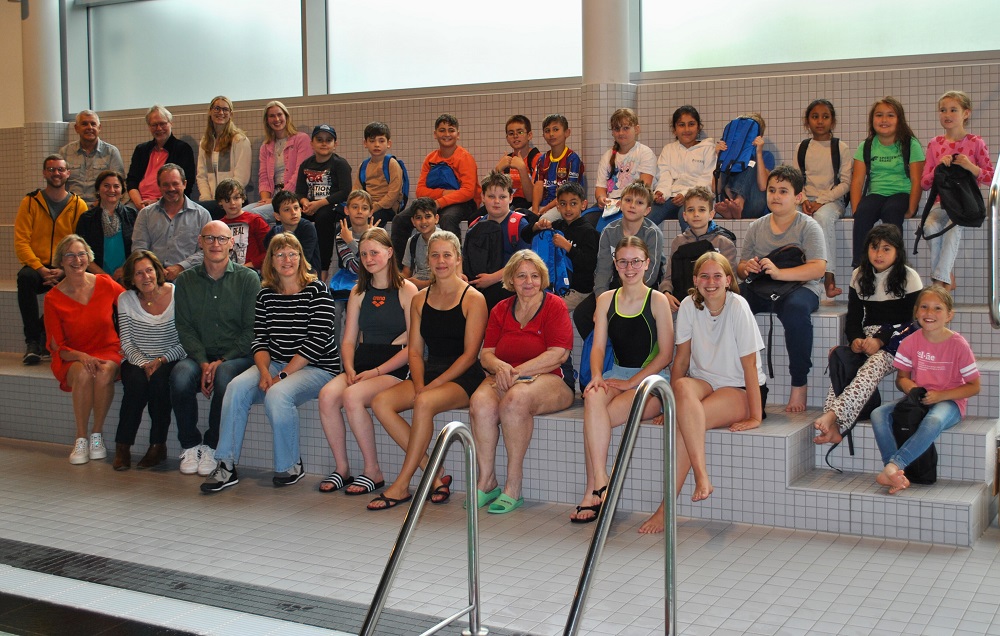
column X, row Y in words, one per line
column 189, row 460
column 79, row 454
column 97, row 450
column 207, row 463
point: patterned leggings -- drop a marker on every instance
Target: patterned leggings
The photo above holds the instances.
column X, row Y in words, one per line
column 848, row 404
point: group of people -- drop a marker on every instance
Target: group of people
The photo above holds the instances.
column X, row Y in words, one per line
column 238, row 308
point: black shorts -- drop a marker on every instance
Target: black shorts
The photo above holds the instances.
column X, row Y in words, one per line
column 368, row 356
column 469, row 381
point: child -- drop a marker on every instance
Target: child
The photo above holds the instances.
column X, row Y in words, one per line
column 358, row 221
column 626, row 162
column 826, row 183
column 682, row 165
column 954, row 147
column 745, row 198
column 520, row 162
column 880, row 301
column 892, row 191
column 425, row 221
column 579, row 240
column 449, row 176
column 486, row 275
column 386, row 195
column 290, row 220
column 558, row 165
column 785, row 225
column 701, row 227
column 248, row 229
column 938, row 360
column 323, row 182
column 635, row 204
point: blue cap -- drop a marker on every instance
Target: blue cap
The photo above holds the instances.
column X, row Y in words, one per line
column 327, row 128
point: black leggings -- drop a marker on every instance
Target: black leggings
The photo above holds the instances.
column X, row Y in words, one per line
column 138, row 392
column 872, row 208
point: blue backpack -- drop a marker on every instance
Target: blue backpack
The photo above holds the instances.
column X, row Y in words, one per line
column 738, row 155
column 609, row 359
column 555, row 259
column 363, row 173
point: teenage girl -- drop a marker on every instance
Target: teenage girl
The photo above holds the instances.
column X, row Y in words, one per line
column 628, row 161
column 880, row 301
column 891, row 193
column 373, row 354
column 637, row 321
column 939, row 360
column 450, row 318
column 954, row 147
column 825, row 189
column 683, row 164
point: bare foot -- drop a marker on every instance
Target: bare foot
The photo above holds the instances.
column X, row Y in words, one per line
column 893, row 478
column 654, row 524
column 830, row 283
column 702, row 491
column 796, row 400
column 829, row 432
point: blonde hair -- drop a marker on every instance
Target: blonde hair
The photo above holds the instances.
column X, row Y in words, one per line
column 935, row 290
column 268, row 271
column 229, row 133
column 516, row 260
column 961, row 97
column 290, row 128
column 727, row 269
column 447, row 237
column 65, row 243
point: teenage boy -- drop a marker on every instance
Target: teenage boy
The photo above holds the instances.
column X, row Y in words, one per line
column 697, row 206
column 635, row 204
column 386, row 195
column 358, row 221
column 519, row 164
column 248, row 229
column 786, row 226
column 425, row 221
column 579, row 240
column 483, row 235
column 449, row 176
column 555, row 167
column 323, row 182
column 289, row 214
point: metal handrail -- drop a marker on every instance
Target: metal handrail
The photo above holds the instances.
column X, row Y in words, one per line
column 617, row 480
column 994, row 234
column 445, row 440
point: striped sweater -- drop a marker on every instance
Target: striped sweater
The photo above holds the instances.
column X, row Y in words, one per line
column 302, row 323
column 144, row 336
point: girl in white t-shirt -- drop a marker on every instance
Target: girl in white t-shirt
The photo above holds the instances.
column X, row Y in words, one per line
column 683, row 164
column 627, row 161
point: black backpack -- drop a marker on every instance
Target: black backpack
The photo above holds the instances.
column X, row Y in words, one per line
column 906, row 418
column 683, row 259
column 484, row 243
column 960, row 198
column 843, row 366
column 766, row 287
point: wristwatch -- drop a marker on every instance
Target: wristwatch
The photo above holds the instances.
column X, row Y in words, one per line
column 282, row 375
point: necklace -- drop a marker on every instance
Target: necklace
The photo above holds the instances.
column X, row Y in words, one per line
column 149, row 303
column 715, row 314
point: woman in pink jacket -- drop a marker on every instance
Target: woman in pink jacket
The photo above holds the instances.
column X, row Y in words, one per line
column 283, row 150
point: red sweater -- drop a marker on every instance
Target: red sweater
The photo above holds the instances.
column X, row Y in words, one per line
column 464, row 166
column 249, row 230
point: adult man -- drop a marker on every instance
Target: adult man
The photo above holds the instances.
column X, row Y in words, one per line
column 89, row 156
column 148, row 157
column 169, row 227
column 43, row 219
column 214, row 312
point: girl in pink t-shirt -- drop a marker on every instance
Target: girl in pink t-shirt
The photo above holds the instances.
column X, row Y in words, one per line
column 938, row 360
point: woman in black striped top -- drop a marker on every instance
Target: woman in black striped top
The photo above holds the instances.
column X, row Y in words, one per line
column 294, row 357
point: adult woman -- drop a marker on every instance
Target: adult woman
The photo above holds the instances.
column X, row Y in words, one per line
column 373, row 353
column 294, row 356
column 107, row 227
column 83, row 342
column 446, row 379
column 716, row 377
column 528, row 337
column 283, row 150
column 151, row 348
column 224, row 152
column 636, row 321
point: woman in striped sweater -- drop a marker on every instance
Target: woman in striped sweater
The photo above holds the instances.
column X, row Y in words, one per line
column 151, row 347
column 294, row 357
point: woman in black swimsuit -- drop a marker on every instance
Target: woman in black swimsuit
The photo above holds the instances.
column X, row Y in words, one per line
column 449, row 375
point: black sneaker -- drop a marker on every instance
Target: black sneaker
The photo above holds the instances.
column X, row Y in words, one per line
column 32, row 353
column 222, row 477
column 289, row 477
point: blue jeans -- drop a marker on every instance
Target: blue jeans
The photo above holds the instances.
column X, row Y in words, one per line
column 944, row 249
column 795, row 313
column 281, row 406
column 265, row 211
column 940, row 418
column 667, row 210
column 185, row 385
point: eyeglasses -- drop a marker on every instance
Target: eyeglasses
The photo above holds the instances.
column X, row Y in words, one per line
column 56, row 170
column 287, row 256
column 225, row 110
column 623, row 129
column 159, row 124
column 221, row 240
column 76, row 256
column 635, row 263
column 517, row 133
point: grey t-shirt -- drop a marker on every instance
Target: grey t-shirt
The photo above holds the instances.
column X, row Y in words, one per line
column 418, row 264
column 804, row 232
column 55, row 207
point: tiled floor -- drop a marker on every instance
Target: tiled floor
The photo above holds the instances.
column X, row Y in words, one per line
column 732, row 578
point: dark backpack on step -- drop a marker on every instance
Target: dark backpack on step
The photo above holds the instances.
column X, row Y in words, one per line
column 766, row 287
column 960, row 198
column 906, row 418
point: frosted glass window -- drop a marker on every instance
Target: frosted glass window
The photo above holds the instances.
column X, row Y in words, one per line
column 189, row 51
column 676, row 37
column 392, row 44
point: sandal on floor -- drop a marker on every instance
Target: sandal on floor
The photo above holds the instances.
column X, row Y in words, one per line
column 596, row 508
column 336, row 480
column 484, row 498
column 504, row 504
column 443, row 491
column 389, row 502
column 365, row 482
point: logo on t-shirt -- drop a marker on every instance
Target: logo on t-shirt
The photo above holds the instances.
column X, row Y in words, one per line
column 378, row 301
column 318, row 183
